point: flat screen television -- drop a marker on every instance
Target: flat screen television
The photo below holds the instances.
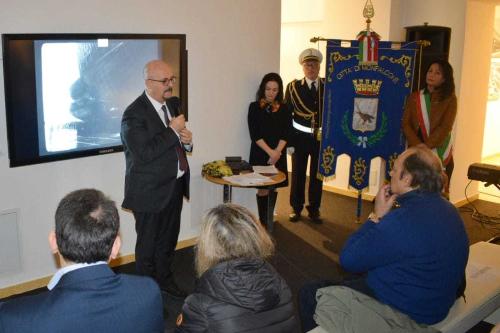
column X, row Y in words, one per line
column 65, row 93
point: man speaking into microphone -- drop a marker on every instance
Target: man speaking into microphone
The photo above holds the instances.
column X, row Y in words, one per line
column 155, row 141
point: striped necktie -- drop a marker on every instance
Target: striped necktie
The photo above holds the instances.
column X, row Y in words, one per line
column 165, row 114
column 181, row 153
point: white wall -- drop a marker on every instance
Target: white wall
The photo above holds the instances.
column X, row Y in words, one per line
column 491, row 139
column 472, row 104
column 336, row 19
column 231, row 45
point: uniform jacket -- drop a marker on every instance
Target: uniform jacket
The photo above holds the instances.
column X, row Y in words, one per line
column 300, row 101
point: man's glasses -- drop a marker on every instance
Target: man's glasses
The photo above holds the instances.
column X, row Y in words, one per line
column 166, row 81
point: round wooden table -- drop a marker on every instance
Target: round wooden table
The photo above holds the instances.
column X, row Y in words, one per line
column 271, row 185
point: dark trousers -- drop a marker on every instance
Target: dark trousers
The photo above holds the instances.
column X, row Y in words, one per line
column 307, row 297
column 305, row 145
column 157, row 235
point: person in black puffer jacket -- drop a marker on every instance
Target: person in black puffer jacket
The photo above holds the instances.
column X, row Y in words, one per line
column 238, row 290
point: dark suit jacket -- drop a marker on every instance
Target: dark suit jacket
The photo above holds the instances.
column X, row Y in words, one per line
column 150, row 156
column 92, row 299
column 298, row 97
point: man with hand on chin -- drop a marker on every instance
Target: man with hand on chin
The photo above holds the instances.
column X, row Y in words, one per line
column 155, row 140
column 412, row 257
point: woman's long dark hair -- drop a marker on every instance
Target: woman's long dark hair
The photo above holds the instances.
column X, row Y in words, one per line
column 262, row 88
column 448, row 86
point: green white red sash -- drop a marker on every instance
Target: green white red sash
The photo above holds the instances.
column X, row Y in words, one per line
column 424, row 112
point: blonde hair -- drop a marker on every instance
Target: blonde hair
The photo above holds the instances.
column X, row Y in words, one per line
column 229, row 232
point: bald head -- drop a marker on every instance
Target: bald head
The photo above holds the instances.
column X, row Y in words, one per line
column 158, row 80
column 425, row 168
column 155, row 67
column 427, row 156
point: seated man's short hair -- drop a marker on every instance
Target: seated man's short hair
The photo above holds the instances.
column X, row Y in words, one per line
column 87, row 224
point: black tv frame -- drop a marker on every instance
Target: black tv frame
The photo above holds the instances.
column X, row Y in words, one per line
column 14, row 79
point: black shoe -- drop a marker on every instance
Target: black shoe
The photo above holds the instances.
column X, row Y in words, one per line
column 174, row 290
column 314, row 217
column 294, row 217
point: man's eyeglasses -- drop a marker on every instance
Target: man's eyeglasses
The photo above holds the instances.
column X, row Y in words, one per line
column 166, row 81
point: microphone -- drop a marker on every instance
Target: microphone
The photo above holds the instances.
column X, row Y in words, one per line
column 175, row 102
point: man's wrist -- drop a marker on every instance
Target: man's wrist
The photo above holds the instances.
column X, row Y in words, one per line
column 374, row 217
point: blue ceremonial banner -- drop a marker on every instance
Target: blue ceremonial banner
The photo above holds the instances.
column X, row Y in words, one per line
column 363, row 106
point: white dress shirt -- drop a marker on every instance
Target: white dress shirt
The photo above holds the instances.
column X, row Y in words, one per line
column 59, row 274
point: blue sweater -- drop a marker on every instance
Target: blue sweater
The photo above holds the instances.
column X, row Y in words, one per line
column 415, row 256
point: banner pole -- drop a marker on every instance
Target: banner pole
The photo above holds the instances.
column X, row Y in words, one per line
column 422, row 44
column 318, row 39
column 358, row 208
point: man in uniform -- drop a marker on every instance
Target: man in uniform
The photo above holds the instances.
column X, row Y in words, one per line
column 305, row 100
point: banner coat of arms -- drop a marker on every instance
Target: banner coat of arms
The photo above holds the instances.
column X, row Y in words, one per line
column 363, row 106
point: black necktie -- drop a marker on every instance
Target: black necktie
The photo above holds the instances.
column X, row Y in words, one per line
column 313, row 88
column 181, row 153
column 165, row 114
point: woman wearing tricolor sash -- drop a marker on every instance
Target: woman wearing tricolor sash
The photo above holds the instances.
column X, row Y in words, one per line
column 430, row 114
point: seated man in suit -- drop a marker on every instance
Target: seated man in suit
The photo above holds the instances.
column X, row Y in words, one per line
column 85, row 295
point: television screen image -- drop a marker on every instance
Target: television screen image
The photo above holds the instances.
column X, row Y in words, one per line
column 65, row 94
column 85, row 89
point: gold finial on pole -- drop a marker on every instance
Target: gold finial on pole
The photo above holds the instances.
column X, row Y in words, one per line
column 317, row 39
column 368, row 13
column 424, row 43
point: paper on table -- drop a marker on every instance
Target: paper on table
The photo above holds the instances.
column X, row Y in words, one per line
column 269, row 169
column 248, row 179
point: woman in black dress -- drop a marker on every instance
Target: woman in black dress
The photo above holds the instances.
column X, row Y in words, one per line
column 269, row 123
